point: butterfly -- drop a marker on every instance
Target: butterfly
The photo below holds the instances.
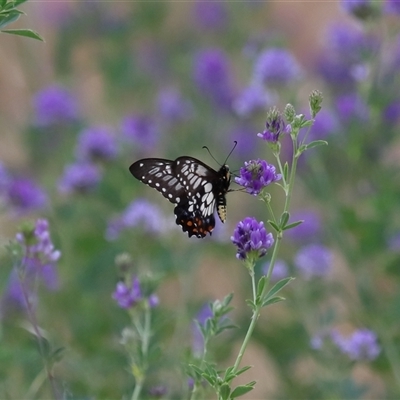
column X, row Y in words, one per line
column 196, row 189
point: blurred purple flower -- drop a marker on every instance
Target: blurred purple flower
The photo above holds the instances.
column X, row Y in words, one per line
column 23, row 196
column 244, row 135
column 279, row 272
column 96, row 143
column 138, row 213
column 251, row 239
column 325, row 124
column 362, row 345
column 80, row 177
column 38, row 261
column 209, row 15
column 391, row 114
column 128, row 296
column 352, row 107
column 276, row 67
column 5, row 179
column 313, row 260
column 140, row 130
column 275, row 126
column 197, row 338
column 252, row 99
column 309, row 230
column 213, row 76
column 172, row 106
column 256, row 175
column 351, row 45
column 158, row 391
column 394, row 242
column 54, row 105
column 392, row 7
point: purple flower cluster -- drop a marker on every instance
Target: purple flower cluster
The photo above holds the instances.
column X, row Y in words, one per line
column 392, row 7
column 313, row 260
column 172, row 106
column 96, row 144
column 21, row 195
column 80, row 177
column 129, row 295
column 256, row 175
column 54, row 105
column 361, row 345
column 251, row 239
column 39, row 261
column 138, row 213
column 213, row 76
column 253, row 98
column 274, row 127
column 140, row 130
column 276, row 67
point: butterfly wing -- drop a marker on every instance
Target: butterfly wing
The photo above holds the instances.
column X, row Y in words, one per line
column 191, row 185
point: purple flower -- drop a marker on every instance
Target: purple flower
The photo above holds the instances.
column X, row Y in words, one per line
column 256, row 175
column 172, row 106
column 54, row 105
column 279, row 272
column 96, row 143
column 80, row 177
column 138, row 213
column 335, row 72
column 391, row 114
column 140, row 130
column 392, row 7
column 23, row 195
column 203, row 315
column 276, row 67
column 313, row 260
column 308, row 230
column 128, row 296
column 253, row 98
column 213, row 76
column 352, row 106
column 361, row 345
column 275, row 126
column 4, row 180
column 394, row 242
column 39, row 259
column 209, row 15
column 251, row 239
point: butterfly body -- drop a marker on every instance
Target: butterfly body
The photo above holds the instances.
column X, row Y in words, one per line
column 196, row 190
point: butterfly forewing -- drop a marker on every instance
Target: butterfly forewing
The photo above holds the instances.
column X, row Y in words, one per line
column 195, row 188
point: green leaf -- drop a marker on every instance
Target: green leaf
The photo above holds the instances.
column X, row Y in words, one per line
column 243, row 389
column 9, row 17
column 227, row 299
column 306, row 123
column 284, row 219
column 24, row 32
column 224, row 391
column 274, row 225
column 286, row 171
column 277, row 287
column 316, row 143
column 228, row 374
column 272, row 300
column 197, row 370
column 244, row 369
column 2, row 3
column 209, row 379
column 261, row 285
column 251, row 304
column 292, row 225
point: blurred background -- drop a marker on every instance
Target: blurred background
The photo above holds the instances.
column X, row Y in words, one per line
column 118, row 81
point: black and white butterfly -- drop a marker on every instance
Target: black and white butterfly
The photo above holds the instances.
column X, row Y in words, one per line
column 196, row 190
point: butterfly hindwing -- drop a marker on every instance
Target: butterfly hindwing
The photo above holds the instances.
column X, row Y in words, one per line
column 192, row 186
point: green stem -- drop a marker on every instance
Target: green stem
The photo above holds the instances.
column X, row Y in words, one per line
column 144, row 333
column 257, row 310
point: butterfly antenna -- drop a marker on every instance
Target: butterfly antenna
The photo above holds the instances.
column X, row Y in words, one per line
column 209, row 152
column 233, row 148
